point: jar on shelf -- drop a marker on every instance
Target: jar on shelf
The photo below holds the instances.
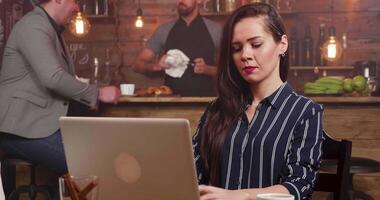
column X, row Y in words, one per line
column 230, row 5
column 95, row 7
column 209, row 5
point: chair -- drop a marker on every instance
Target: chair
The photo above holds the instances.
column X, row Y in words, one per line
column 358, row 165
column 362, row 165
column 336, row 182
column 8, row 173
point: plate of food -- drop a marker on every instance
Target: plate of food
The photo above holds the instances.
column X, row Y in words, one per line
column 154, row 91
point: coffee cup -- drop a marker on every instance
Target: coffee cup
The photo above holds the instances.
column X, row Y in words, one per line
column 127, row 89
column 274, row 196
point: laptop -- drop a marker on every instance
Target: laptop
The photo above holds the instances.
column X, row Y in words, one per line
column 134, row 158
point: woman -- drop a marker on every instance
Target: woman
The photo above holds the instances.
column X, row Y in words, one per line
column 258, row 135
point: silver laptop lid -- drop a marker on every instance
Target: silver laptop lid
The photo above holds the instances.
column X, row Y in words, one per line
column 134, row 158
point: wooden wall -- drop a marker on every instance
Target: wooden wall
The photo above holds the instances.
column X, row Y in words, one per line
column 359, row 19
column 10, row 12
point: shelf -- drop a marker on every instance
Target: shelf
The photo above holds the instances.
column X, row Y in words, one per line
column 101, row 18
column 322, row 68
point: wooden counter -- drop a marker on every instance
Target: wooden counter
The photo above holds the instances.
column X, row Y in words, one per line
column 353, row 118
column 322, row 100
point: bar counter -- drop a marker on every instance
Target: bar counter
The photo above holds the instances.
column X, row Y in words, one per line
column 174, row 99
column 344, row 117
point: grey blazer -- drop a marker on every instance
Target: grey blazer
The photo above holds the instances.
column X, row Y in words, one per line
column 37, row 79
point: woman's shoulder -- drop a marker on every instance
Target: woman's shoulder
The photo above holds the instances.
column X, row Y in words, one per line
column 305, row 101
column 310, row 107
column 312, row 103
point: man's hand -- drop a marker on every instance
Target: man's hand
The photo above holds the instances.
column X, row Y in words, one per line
column 109, row 94
column 202, row 68
column 214, row 193
column 161, row 65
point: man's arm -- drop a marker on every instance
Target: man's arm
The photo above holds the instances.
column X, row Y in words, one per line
column 144, row 62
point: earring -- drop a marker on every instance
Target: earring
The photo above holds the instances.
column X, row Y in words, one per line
column 283, row 55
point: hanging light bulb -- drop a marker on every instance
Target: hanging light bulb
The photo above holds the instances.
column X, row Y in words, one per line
column 139, row 23
column 79, row 25
column 332, row 49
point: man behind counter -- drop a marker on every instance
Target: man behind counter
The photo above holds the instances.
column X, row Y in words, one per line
column 197, row 37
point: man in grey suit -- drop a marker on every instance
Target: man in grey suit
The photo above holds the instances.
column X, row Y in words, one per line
column 38, row 85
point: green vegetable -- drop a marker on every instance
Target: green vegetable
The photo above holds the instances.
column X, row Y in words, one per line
column 315, row 86
column 328, row 80
column 333, row 91
column 313, row 91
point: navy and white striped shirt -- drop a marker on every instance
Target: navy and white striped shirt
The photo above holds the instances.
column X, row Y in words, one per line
column 281, row 145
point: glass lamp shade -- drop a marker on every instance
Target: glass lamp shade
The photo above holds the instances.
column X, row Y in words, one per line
column 332, row 48
column 79, row 25
column 139, row 23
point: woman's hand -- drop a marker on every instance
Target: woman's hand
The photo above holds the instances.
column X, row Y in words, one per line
column 214, row 193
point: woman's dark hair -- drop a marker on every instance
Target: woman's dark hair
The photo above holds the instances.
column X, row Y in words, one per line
column 233, row 90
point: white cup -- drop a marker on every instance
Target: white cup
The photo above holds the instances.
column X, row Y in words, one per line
column 127, row 89
column 274, row 196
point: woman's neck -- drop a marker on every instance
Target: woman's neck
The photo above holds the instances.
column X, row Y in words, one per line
column 264, row 89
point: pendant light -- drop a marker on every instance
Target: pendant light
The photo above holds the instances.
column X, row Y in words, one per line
column 79, row 25
column 332, row 48
column 139, row 23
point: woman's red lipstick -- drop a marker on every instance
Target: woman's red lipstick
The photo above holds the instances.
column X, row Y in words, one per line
column 250, row 69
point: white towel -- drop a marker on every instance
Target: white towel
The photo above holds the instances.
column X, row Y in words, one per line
column 177, row 62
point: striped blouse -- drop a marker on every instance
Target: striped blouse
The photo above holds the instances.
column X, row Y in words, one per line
column 281, row 145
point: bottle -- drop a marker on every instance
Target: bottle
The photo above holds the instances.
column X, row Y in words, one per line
column 294, row 49
column 88, row 7
column 307, row 48
column 229, row 5
column 208, row 6
column 96, row 71
column 99, row 7
column 344, row 48
column 319, row 58
column 106, row 75
column 217, row 6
